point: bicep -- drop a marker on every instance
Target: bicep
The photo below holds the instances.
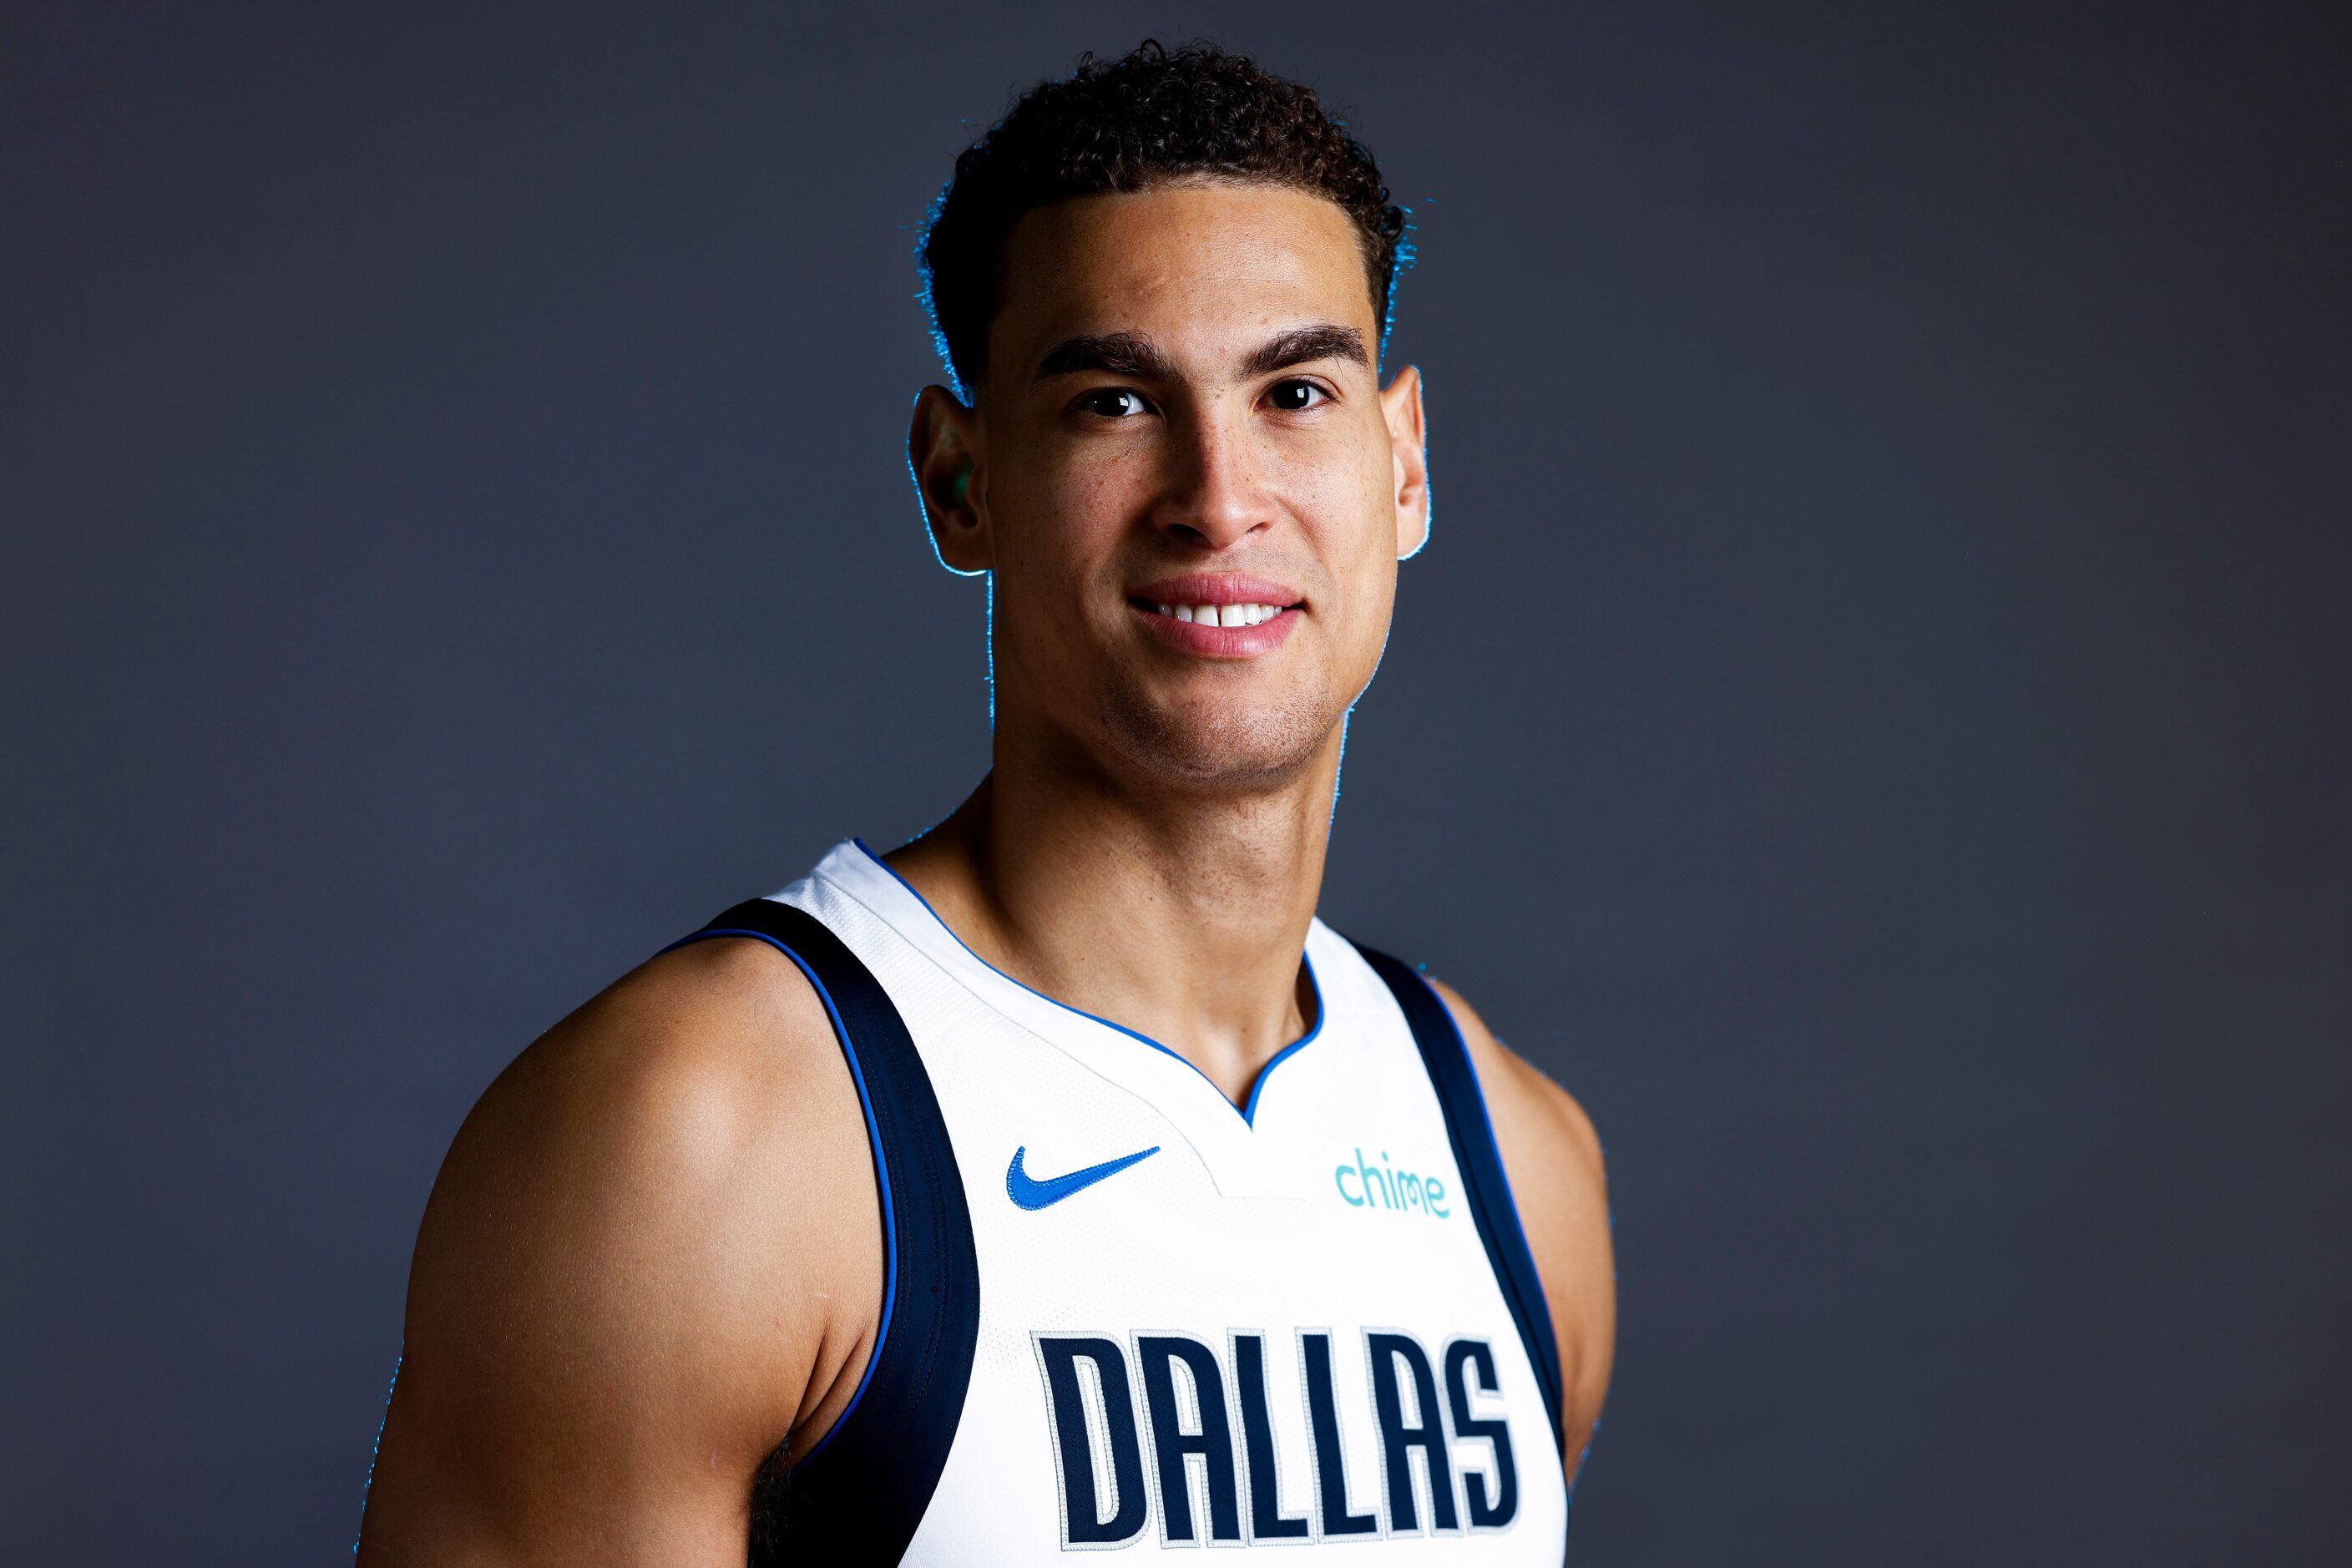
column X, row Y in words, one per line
column 617, row 1311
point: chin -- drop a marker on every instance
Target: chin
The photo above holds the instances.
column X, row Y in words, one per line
column 1217, row 744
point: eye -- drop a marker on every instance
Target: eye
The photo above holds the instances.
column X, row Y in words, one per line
column 1297, row 396
column 1113, row 402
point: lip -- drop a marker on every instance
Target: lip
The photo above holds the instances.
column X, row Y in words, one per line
column 1219, row 588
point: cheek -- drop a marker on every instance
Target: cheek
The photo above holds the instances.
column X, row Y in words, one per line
column 1056, row 539
column 1351, row 510
column 1372, row 600
column 1345, row 476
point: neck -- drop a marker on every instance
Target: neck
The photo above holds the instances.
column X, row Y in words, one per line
column 1180, row 913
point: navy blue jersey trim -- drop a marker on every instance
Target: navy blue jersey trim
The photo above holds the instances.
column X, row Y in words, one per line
column 1447, row 1057
column 857, row 1497
column 881, row 1165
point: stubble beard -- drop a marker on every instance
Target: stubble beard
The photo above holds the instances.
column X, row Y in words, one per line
column 1218, row 745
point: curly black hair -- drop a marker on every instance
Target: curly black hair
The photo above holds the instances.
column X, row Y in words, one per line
column 1154, row 115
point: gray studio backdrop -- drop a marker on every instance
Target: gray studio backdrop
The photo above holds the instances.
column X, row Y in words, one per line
column 1872, row 720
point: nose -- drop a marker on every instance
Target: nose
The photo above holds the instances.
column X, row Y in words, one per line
column 1216, row 496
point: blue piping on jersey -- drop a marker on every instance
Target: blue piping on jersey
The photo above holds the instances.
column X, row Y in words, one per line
column 881, row 1174
column 1247, row 1109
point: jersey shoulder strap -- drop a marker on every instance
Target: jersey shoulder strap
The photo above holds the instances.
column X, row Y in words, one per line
column 1447, row 1059
column 858, row 1495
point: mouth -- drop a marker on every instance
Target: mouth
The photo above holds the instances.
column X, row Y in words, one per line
column 1219, row 614
column 1214, row 615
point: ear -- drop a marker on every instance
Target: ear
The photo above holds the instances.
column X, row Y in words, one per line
column 1409, row 458
column 943, row 453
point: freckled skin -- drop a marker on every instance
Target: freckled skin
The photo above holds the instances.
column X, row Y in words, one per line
column 654, row 1256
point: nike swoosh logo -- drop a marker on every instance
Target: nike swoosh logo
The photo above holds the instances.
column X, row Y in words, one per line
column 1031, row 1193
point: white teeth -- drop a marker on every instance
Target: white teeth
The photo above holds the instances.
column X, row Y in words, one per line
column 1221, row 614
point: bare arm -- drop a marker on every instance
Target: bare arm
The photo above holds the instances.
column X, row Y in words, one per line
column 1552, row 1156
column 653, row 1255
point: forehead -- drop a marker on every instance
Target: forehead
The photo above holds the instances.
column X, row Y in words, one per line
column 1205, row 267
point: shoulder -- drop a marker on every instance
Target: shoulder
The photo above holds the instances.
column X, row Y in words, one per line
column 659, row 1225
column 1562, row 1134
column 1552, row 1155
column 661, row 1112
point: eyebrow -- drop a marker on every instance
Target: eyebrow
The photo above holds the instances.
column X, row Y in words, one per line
column 1135, row 354
column 1119, row 353
column 1300, row 345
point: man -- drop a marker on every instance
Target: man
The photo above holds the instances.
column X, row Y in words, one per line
column 1057, row 1181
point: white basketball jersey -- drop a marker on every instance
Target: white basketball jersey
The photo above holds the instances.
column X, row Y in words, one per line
column 1298, row 1324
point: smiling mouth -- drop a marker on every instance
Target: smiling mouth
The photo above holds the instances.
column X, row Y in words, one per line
column 1219, row 615
column 1213, row 614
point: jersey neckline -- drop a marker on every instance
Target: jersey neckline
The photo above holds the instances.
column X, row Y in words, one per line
column 932, row 923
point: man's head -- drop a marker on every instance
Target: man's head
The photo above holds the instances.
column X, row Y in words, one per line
column 1162, row 283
